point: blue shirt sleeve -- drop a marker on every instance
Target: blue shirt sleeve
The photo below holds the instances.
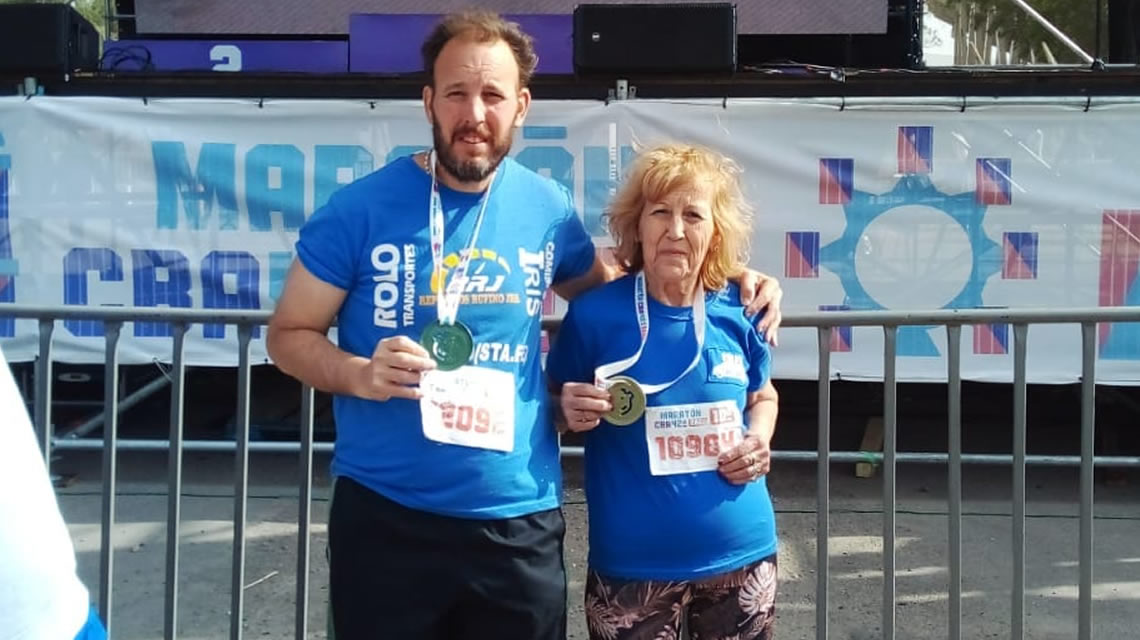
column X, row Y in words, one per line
column 759, row 358
column 574, row 250
column 327, row 247
column 568, row 360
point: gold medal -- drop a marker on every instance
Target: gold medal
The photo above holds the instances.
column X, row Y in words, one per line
column 628, row 400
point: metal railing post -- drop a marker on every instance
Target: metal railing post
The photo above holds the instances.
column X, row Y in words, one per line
column 304, row 512
column 1088, row 444
column 823, row 484
column 241, row 484
column 112, row 331
column 43, row 390
column 174, row 482
column 1017, row 610
column 954, row 488
column 890, row 432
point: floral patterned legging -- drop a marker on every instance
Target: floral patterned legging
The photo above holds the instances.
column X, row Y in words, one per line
column 739, row 605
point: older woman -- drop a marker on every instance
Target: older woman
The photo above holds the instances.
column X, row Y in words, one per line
column 670, row 380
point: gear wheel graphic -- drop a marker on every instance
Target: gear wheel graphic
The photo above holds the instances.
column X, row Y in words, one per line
column 863, row 208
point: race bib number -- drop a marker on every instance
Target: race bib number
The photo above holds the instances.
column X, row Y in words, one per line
column 689, row 437
column 469, row 407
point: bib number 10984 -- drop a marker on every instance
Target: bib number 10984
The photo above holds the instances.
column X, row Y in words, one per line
column 689, row 438
column 696, row 446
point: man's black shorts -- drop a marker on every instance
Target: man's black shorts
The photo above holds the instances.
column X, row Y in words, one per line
column 401, row 573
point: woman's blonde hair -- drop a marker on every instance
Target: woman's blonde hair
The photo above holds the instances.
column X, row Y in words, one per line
column 660, row 170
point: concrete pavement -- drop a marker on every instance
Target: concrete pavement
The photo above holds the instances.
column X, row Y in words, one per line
column 855, row 549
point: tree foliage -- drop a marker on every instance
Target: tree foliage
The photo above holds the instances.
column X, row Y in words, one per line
column 95, row 11
column 1076, row 18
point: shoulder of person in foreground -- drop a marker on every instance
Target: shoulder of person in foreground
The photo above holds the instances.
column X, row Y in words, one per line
column 395, row 175
column 584, row 325
column 728, row 298
column 726, row 302
column 590, row 310
column 332, row 240
column 607, row 299
column 756, row 350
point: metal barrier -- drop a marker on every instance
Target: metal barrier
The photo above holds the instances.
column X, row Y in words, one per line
column 114, row 318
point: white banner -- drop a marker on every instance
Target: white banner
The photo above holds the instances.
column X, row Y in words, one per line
column 197, row 203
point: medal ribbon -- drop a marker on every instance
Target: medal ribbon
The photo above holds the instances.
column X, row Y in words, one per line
column 641, row 307
column 447, row 298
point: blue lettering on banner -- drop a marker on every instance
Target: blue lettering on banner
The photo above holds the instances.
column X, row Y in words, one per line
column 9, row 268
column 556, row 162
column 268, row 191
column 275, row 179
column 76, row 265
column 206, row 198
column 597, row 184
column 229, row 281
column 161, row 278
column 274, row 183
column 213, row 183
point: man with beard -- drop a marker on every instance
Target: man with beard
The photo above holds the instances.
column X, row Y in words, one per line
column 445, row 520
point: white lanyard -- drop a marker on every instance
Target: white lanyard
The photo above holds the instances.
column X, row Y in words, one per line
column 447, row 298
column 640, row 304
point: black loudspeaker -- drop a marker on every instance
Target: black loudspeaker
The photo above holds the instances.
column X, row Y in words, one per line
column 46, row 38
column 655, row 38
column 899, row 48
column 1124, row 31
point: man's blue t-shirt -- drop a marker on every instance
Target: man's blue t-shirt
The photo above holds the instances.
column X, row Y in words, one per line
column 372, row 240
column 665, row 527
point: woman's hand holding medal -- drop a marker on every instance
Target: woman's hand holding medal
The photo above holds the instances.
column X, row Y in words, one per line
column 583, row 405
column 395, row 370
